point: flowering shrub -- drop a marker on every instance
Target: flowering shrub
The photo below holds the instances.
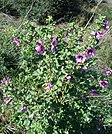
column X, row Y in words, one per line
column 55, row 87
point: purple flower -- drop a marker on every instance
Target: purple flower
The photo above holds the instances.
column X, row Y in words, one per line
column 99, row 35
column 90, row 52
column 68, row 78
column 40, row 61
column 108, row 72
column 100, row 121
column 16, row 40
column 103, row 84
column 24, row 109
column 80, row 58
column 49, row 86
column 7, row 100
column 4, row 90
column 43, row 52
column 68, row 31
column 105, row 127
column 34, row 33
column 0, row 84
column 106, row 22
column 84, row 98
column 39, row 48
column 54, row 42
column 40, row 43
column 8, row 80
column 93, row 33
column 53, row 45
column 106, row 27
column 84, row 68
column 4, row 80
column 98, row 129
column 31, row 116
column 52, row 48
column 94, row 93
column 42, row 113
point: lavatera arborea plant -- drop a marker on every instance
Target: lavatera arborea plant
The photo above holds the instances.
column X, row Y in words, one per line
column 57, row 88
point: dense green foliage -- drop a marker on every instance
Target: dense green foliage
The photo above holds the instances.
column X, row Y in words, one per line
column 49, row 91
column 39, row 9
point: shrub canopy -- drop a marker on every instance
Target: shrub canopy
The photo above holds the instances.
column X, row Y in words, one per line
column 39, row 9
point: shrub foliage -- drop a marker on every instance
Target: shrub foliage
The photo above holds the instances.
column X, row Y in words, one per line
column 48, row 81
column 40, row 9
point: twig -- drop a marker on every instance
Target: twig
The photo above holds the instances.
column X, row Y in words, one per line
column 3, row 7
column 27, row 14
column 104, row 36
column 7, row 16
column 93, row 13
column 23, row 20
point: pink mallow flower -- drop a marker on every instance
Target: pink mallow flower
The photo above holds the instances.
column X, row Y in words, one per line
column 52, row 48
column 108, row 72
column 31, row 116
column 90, row 52
column 106, row 26
column 7, row 100
column 68, row 31
column 68, row 78
column 106, row 22
column 80, row 58
column 49, row 86
column 4, row 91
column 8, row 80
column 54, row 42
column 94, row 92
column 40, row 43
column 103, row 84
column 15, row 40
column 43, row 52
column 84, row 68
column 0, row 84
column 53, row 45
column 24, row 109
column 39, row 48
column 99, row 35
column 93, row 33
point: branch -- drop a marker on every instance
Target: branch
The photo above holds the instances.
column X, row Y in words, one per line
column 93, row 13
column 23, row 21
column 104, row 36
column 27, row 14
